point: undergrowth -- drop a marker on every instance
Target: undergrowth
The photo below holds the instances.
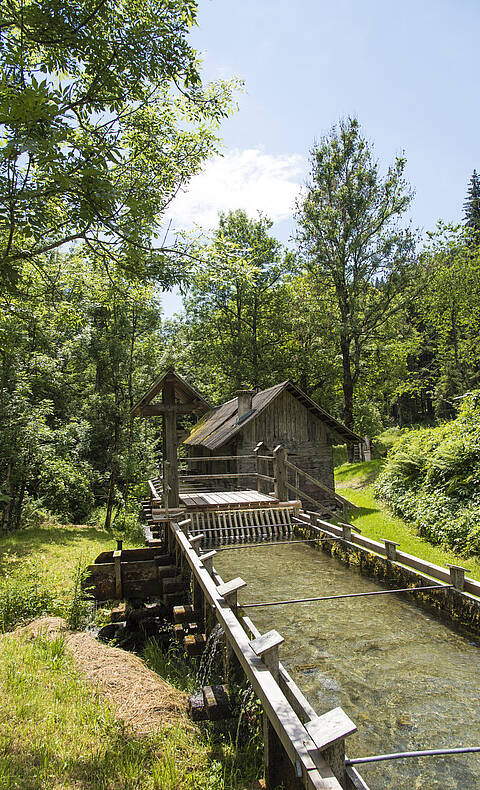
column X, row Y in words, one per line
column 41, row 572
column 432, row 478
column 237, row 751
column 170, row 664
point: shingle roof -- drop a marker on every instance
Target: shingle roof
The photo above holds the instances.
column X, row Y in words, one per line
column 220, row 425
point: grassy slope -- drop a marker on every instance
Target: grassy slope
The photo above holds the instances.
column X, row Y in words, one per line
column 38, row 568
column 56, row 732
column 354, row 482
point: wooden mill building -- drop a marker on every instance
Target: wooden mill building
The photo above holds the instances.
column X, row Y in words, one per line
column 282, row 414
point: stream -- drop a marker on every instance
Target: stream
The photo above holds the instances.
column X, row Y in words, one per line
column 406, row 680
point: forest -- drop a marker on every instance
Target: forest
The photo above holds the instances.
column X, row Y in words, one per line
column 105, row 118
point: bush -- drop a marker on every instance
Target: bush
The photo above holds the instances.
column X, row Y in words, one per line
column 432, row 478
column 24, row 596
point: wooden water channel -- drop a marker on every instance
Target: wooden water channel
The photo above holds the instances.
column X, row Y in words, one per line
column 301, row 749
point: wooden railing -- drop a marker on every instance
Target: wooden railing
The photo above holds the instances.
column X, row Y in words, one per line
column 452, row 574
column 279, row 480
column 301, row 749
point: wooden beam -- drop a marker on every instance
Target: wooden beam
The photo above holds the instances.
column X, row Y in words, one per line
column 159, row 409
column 170, row 440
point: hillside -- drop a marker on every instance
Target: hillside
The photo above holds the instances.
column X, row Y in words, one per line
column 432, row 479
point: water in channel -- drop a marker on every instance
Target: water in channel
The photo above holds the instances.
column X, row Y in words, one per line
column 407, row 681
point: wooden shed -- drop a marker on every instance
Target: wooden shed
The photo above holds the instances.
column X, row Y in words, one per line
column 282, row 414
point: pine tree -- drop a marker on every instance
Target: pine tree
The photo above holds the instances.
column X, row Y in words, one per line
column 472, row 203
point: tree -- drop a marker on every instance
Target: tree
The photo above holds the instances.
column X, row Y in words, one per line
column 354, row 248
column 449, row 311
column 72, row 363
column 472, row 204
column 103, row 118
column 234, row 305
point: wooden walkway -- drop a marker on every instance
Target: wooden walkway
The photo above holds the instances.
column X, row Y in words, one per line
column 226, row 499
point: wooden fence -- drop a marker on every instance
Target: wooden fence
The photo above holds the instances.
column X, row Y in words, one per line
column 263, row 463
column 301, row 749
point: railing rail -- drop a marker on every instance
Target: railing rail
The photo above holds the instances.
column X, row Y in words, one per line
column 321, row 486
column 453, row 574
column 303, row 751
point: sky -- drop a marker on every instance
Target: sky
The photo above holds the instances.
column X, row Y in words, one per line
column 408, row 71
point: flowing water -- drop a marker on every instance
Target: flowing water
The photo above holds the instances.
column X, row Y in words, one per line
column 407, row 680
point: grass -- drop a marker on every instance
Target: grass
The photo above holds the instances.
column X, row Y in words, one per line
column 40, row 569
column 376, row 522
column 57, row 733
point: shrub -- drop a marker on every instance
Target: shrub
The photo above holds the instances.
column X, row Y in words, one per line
column 432, row 478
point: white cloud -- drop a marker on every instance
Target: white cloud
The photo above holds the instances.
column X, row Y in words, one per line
column 248, row 179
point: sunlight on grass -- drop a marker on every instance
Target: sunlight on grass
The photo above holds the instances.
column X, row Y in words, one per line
column 377, row 523
column 38, row 568
column 57, row 732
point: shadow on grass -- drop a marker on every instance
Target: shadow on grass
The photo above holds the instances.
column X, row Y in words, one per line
column 361, row 474
column 357, row 511
column 25, row 542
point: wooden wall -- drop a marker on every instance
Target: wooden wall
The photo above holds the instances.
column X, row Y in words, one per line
column 287, row 421
column 284, row 421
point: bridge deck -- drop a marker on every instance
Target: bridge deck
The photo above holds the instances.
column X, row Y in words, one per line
column 214, row 500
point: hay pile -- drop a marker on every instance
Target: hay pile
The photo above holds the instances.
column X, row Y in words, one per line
column 139, row 697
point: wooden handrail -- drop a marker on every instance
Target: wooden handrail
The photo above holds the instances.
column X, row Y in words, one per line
column 199, row 458
column 220, row 476
column 303, row 495
column 320, row 485
column 297, row 742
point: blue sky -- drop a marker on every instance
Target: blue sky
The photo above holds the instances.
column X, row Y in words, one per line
column 408, row 71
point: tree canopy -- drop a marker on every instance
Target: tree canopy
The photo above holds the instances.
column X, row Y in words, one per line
column 353, row 245
column 104, row 118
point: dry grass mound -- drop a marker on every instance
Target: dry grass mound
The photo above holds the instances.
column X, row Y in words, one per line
column 138, row 696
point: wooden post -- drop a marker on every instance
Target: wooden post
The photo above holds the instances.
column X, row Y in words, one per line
column 328, row 733
column 170, row 440
column 457, row 576
column 166, row 485
column 207, row 560
column 260, row 449
column 229, row 591
column 279, row 771
column 280, row 473
column 391, row 549
column 117, row 559
column 346, row 532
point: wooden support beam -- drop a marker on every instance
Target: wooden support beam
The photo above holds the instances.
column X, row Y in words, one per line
column 229, row 591
column 457, row 575
column 280, row 472
column 170, row 440
column 117, row 559
column 262, row 471
column 329, row 732
column 266, row 647
column 160, row 409
column 207, row 560
column 390, row 548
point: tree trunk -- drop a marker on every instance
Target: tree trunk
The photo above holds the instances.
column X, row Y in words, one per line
column 347, row 385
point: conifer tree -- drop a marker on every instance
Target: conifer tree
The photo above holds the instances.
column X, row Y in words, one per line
column 472, row 203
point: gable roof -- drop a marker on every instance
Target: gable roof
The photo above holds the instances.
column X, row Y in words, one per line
column 220, row 425
column 184, row 392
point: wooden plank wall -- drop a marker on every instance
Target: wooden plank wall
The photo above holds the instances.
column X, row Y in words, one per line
column 286, row 421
